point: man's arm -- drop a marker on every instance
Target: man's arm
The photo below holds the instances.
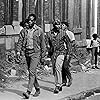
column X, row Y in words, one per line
column 42, row 44
column 20, row 42
column 50, row 48
column 68, row 44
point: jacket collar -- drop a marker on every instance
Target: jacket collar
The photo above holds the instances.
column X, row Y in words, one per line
column 35, row 27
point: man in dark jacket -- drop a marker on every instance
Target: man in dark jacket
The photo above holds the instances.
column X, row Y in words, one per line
column 32, row 42
column 57, row 38
column 66, row 64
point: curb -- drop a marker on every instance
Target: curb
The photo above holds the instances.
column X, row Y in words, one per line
column 82, row 95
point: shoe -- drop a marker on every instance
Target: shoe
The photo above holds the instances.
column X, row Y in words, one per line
column 60, row 88
column 93, row 67
column 63, row 84
column 69, row 83
column 36, row 93
column 26, row 95
column 97, row 67
column 56, row 90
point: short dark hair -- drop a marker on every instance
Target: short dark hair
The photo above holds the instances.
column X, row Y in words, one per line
column 32, row 15
column 56, row 22
column 66, row 23
column 94, row 36
column 26, row 21
column 21, row 23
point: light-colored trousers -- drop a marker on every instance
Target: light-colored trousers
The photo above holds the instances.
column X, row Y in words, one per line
column 58, row 70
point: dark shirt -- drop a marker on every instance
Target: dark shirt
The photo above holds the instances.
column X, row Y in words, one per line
column 58, row 41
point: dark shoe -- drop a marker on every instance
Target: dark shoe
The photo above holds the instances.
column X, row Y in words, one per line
column 36, row 93
column 26, row 95
column 56, row 90
column 63, row 84
column 93, row 67
column 97, row 67
column 69, row 83
column 60, row 88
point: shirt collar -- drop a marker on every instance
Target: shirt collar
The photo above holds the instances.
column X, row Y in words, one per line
column 35, row 27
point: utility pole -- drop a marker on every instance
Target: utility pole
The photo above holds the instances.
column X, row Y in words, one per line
column 88, row 8
column 42, row 19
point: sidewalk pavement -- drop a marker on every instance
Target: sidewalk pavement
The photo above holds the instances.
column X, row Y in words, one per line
column 82, row 82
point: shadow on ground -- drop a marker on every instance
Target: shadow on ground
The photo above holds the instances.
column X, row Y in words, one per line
column 46, row 81
column 18, row 92
column 47, row 88
column 42, row 87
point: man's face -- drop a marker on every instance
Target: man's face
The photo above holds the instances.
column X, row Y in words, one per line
column 64, row 26
column 31, row 21
column 27, row 25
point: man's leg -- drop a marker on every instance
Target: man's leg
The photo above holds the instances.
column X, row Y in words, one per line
column 93, row 57
column 64, row 79
column 28, row 59
column 66, row 72
column 58, row 73
column 26, row 94
column 96, row 57
column 32, row 75
column 37, row 88
column 33, row 81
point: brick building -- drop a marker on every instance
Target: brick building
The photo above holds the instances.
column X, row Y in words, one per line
column 80, row 14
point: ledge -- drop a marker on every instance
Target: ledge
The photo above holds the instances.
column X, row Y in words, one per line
column 7, row 36
column 77, row 30
column 83, row 95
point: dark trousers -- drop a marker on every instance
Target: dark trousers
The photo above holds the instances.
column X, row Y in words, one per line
column 32, row 62
column 95, row 53
column 65, row 70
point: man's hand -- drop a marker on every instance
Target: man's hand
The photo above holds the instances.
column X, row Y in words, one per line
column 67, row 56
column 42, row 61
column 18, row 56
column 18, row 53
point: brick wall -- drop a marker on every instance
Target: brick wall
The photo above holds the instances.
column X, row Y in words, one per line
column 46, row 11
column 38, row 12
column 8, row 12
column 57, row 9
column 15, row 10
column 31, row 6
column 2, row 51
column 98, row 18
column 2, row 10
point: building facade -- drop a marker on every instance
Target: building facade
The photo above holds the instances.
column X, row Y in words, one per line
column 98, row 17
column 79, row 13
